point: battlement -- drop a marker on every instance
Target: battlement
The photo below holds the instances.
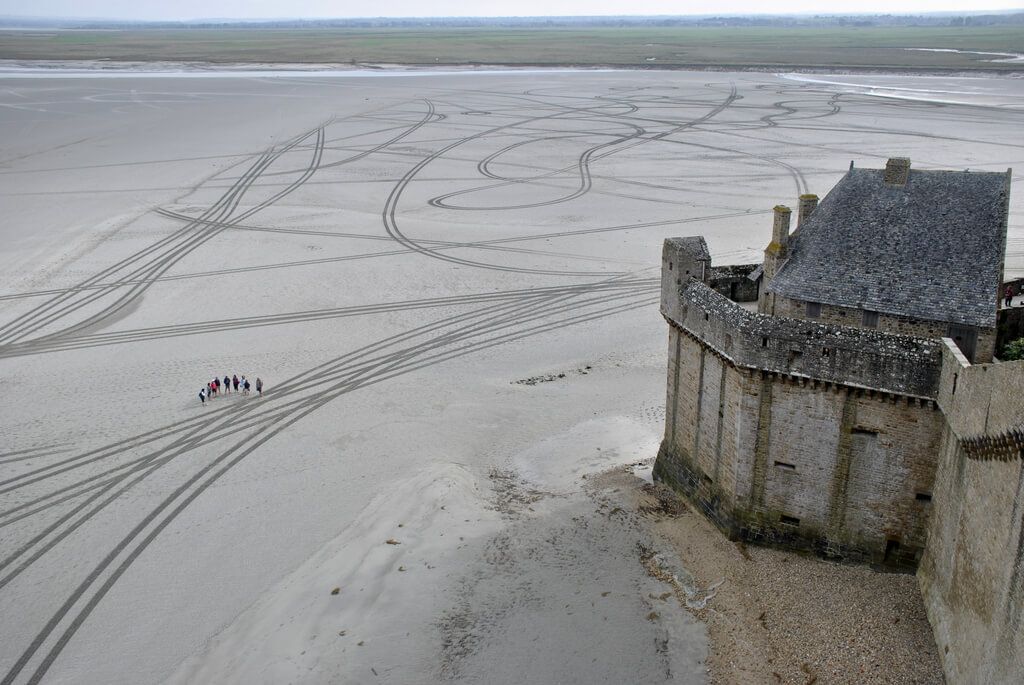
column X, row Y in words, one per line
column 849, row 356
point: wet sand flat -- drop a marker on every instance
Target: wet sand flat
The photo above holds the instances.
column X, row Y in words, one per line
column 449, row 284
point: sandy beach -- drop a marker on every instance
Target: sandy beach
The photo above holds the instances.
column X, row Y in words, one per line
column 449, row 284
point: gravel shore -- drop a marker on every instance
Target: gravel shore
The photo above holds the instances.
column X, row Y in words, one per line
column 779, row 617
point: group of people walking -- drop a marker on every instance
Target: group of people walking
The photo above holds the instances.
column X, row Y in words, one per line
column 225, row 386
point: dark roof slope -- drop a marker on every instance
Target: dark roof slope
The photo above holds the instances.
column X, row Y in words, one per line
column 930, row 249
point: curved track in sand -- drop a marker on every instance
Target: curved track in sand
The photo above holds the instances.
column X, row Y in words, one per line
column 439, row 153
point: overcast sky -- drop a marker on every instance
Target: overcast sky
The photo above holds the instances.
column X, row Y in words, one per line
column 255, row 9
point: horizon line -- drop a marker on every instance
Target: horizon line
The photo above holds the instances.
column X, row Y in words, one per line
column 965, row 12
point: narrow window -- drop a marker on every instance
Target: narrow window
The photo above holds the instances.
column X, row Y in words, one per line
column 923, row 497
column 785, row 467
column 824, row 352
column 813, row 310
column 789, row 520
column 706, row 316
column 870, row 319
column 670, row 266
column 764, row 342
column 863, row 431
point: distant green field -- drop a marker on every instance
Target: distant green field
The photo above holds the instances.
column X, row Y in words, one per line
column 674, row 47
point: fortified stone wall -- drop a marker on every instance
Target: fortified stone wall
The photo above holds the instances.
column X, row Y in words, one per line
column 801, row 434
column 857, row 357
column 901, row 325
column 972, row 572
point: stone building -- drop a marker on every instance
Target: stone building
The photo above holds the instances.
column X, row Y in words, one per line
column 828, row 416
column 897, row 250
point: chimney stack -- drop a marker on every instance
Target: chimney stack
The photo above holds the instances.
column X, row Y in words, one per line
column 808, row 203
column 897, row 171
column 780, row 229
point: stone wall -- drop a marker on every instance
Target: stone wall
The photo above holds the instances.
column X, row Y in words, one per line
column 858, row 444
column 681, row 260
column 889, row 323
column 857, row 357
column 972, row 573
column 777, row 429
column 734, row 282
column 1010, row 326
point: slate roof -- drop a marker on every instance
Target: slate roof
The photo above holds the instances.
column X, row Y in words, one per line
column 930, row 249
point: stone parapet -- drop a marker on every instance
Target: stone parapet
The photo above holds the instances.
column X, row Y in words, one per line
column 860, row 358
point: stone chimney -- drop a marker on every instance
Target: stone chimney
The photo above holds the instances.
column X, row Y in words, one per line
column 808, row 203
column 780, row 229
column 897, row 171
column 774, row 255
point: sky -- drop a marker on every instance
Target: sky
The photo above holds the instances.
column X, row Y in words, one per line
column 257, row 9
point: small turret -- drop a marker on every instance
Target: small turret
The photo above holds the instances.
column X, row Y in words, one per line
column 681, row 260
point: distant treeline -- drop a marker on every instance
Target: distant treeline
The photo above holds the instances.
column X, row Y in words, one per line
column 810, row 21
